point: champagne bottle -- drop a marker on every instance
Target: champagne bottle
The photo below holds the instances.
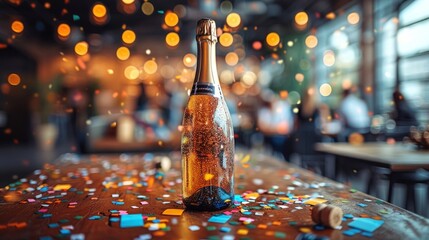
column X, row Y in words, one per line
column 207, row 142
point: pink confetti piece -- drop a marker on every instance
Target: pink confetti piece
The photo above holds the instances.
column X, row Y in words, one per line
column 144, row 203
column 30, row 200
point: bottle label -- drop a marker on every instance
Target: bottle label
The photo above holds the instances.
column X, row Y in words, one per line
column 203, row 89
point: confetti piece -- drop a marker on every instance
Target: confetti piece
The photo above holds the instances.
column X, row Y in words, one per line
column 225, row 229
column 348, row 216
column 173, row 212
column 65, row 231
column 194, row 228
column 76, row 17
column 208, row 176
column 362, row 205
column 366, row 224
column 280, row 235
column 62, row 187
column 95, row 217
column 131, row 220
column 367, row 234
column 242, row 231
column 315, row 201
column 79, row 236
column 219, row 218
column 53, row 225
column 211, row 228
column 305, row 230
column 351, row 232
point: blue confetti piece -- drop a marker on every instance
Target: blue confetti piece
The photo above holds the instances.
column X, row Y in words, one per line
column 362, row 205
column 367, row 234
column 225, row 229
column 53, row 225
column 45, row 238
column 95, row 217
column 319, row 227
column 118, row 203
column 114, row 219
column 366, row 224
column 238, row 198
column 65, row 231
column 220, row 218
column 349, row 216
column 131, row 220
column 46, row 215
column 351, row 232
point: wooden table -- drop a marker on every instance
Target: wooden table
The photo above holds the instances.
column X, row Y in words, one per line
column 31, row 208
column 397, row 157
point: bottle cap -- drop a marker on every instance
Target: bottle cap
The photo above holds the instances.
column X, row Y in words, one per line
column 206, row 29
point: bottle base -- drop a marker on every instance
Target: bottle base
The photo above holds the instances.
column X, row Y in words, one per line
column 209, row 198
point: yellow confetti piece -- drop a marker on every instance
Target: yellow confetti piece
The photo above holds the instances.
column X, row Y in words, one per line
column 242, row 231
column 315, row 201
column 208, row 176
column 305, row 230
column 245, row 159
column 173, row 212
column 60, row 187
column 253, row 195
column 151, row 218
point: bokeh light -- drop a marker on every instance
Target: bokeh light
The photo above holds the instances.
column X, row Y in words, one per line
column 63, row 30
column 81, row 48
column 226, row 39
column 301, row 18
column 353, row 18
column 171, row 19
column 311, row 41
column 189, row 60
column 330, row 15
column 131, row 72
column 226, row 7
column 17, row 26
column 249, row 78
column 14, row 79
column 147, row 8
column 257, row 45
column 150, row 67
column 231, row 59
column 128, row 36
column 329, row 58
column 128, row 1
column 325, row 89
column 299, row 77
column 172, row 39
column 122, row 53
column 273, row 39
column 233, row 20
column 99, row 10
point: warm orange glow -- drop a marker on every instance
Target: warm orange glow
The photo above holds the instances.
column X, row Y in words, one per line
column 171, row 19
column 231, row 59
column 311, row 41
column 329, row 58
column 189, row 60
column 301, row 18
column 128, row 1
column 257, row 45
column 14, row 79
column 353, row 18
column 226, row 39
column 356, row 138
column 325, row 89
column 128, row 36
column 172, row 39
column 99, row 10
column 273, row 39
column 123, row 53
column 81, row 48
column 131, row 72
column 150, row 67
column 233, row 20
column 330, row 15
column 147, row 8
column 63, row 30
column 17, row 26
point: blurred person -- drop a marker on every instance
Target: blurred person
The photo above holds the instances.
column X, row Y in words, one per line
column 275, row 121
column 353, row 113
column 403, row 113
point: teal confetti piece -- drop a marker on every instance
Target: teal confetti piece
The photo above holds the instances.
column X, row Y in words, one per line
column 161, row 11
column 219, row 218
column 280, row 235
column 211, row 228
column 95, row 217
column 366, row 224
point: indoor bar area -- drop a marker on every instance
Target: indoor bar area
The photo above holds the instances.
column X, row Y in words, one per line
column 214, row 119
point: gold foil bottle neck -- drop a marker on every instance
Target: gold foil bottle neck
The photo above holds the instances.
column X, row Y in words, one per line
column 206, row 29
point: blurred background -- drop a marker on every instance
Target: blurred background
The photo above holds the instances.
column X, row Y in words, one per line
column 114, row 76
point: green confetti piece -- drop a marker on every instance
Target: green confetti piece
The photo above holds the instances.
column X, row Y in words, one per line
column 251, row 226
column 161, row 11
column 76, row 17
column 383, row 211
column 63, row 221
column 213, row 238
column 234, row 223
column 280, row 235
column 211, row 228
column 378, row 201
column 352, row 190
column 78, row 217
column 292, row 223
